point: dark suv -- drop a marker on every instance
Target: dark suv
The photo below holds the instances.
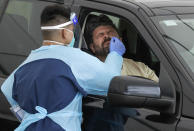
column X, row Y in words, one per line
column 159, row 33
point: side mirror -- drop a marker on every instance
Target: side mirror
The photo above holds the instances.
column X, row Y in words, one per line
column 138, row 92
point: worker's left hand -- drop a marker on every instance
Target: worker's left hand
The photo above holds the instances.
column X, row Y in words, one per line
column 117, row 45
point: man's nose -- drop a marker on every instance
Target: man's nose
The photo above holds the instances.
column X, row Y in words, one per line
column 106, row 35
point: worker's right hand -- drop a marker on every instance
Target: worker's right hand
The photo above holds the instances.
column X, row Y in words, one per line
column 117, row 46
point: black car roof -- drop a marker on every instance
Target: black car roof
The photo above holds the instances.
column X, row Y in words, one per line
column 165, row 7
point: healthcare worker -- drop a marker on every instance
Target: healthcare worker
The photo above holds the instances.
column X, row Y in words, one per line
column 46, row 90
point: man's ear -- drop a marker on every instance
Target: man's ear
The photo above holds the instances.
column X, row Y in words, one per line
column 121, row 39
column 92, row 47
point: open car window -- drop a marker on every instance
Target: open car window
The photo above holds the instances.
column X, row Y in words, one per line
column 136, row 47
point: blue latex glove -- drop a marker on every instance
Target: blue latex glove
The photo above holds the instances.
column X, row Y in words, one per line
column 117, row 45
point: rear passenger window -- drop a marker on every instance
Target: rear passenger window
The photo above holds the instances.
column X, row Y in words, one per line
column 19, row 32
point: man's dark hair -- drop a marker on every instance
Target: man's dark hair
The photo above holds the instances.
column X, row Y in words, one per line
column 93, row 22
column 54, row 15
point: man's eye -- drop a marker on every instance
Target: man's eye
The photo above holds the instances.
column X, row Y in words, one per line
column 100, row 35
column 111, row 33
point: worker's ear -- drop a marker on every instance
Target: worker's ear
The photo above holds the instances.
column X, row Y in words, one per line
column 92, row 48
column 64, row 34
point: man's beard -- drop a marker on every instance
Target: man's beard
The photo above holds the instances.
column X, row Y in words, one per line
column 102, row 51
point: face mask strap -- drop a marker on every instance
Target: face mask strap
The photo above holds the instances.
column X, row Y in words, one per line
column 67, row 30
column 58, row 43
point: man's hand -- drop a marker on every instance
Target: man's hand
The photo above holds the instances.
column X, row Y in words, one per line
column 117, row 45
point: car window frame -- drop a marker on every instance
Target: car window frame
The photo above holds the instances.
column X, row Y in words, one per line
column 142, row 27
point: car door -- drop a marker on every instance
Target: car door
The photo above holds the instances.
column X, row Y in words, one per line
column 145, row 119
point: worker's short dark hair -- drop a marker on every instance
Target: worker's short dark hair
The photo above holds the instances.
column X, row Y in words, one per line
column 94, row 21
column 54, row 15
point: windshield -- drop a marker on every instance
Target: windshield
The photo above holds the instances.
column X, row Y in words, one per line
column 178, row 30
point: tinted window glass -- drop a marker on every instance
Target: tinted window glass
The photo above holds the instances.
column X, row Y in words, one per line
column 179, row 32
column 19, row 32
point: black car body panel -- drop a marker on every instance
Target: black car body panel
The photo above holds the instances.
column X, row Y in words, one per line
column 138, row 22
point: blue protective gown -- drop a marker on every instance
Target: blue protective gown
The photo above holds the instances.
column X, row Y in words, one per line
column 50, row 83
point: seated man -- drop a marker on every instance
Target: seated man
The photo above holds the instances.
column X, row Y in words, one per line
column 98, row 33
